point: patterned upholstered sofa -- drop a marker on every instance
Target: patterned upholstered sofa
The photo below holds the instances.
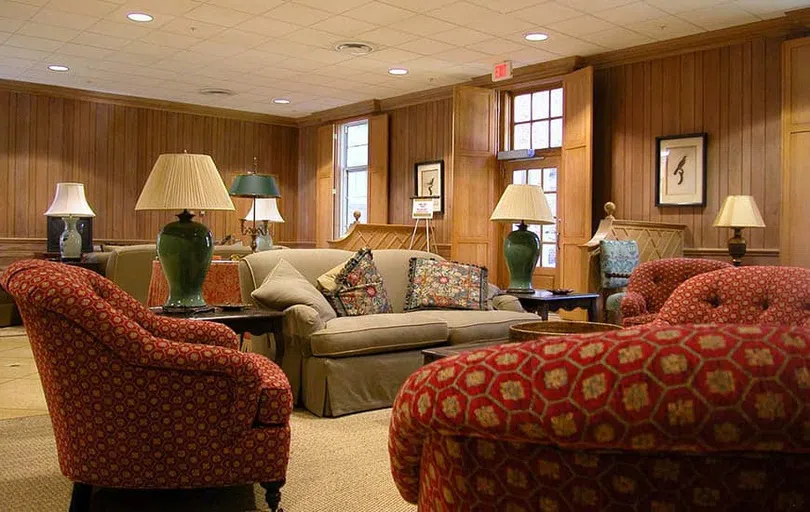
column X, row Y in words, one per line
column 651, row 283
column 147, row 402
column 711, row 417
column 742, row 295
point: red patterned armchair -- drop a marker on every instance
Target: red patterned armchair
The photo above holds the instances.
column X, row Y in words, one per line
column 742, row 295
column 711, row 417
column 142, row 401
column 651, row 283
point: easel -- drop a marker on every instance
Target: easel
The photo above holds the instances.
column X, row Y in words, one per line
column 423, row 210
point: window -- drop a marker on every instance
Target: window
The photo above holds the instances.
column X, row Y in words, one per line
column 352, row 180
column 537, row 121
column 547, row 179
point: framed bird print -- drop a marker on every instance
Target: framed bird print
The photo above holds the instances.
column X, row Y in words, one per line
column 680, row 170
column 429, row 183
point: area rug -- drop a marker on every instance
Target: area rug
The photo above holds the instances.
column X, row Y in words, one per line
column 335, row 464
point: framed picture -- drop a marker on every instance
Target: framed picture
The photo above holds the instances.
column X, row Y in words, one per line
column 680, row 170
column 429, row 183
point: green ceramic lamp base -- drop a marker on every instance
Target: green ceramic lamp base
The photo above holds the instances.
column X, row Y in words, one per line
column 185, row 249
column 521, row 249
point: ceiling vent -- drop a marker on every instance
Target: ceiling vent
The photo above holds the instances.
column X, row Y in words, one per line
column 354, row 48
column 216, row 91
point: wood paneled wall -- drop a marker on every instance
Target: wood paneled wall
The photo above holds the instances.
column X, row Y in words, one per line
column 420, row 133
column 733, row 94
column 111, row 149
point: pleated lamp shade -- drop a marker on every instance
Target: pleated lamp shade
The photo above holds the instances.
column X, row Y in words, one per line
column 523, row 203
column 739, row 212
column 184, row 182
column 69, row 201
column 265, row 209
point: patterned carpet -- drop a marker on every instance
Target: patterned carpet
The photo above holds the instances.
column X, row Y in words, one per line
column 335, row 464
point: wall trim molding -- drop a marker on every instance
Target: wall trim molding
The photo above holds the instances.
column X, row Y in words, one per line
column 139, row 102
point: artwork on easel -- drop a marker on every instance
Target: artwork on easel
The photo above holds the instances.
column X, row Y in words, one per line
column 429, row 183
column 680, row 170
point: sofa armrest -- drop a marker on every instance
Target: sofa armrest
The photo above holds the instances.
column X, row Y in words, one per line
column 633, row 304
column 507, row 303
column 191, row 331
column 300, row 322
column 646, row 389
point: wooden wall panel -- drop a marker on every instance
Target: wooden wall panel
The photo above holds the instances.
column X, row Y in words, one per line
column 111, row 149
column 733, row 94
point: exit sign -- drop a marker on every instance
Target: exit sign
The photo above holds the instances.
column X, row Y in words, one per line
column 502, row 71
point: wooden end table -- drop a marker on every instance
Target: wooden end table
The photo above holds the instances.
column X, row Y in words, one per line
column 251, row 320
column 542, row 301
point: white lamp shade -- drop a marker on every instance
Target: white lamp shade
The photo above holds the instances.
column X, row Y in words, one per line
column 265, row 209
column 523, row 203
column 184, row 182
column 69, row 201
column 739, row 212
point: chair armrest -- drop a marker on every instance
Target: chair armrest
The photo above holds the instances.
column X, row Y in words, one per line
column 507, row 303
column 633, row 304
column 191, row 331
column 640, row 320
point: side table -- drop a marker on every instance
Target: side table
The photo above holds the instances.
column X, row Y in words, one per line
column 542, row 301
column 251, row 320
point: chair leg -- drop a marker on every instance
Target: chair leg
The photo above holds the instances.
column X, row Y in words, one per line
column 273, row 494
column 80, row 500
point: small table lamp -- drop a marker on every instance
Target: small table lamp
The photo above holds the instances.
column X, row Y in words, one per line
column 185, row 248
column 70, row 204
column 264, row 210
column 738, row 212
column 254, row 186
column 521, row 204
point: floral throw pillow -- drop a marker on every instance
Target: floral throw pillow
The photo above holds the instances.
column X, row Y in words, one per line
column 445, row 285
column 360, row 289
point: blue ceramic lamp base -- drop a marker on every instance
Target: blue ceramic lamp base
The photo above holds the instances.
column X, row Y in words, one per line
column 521, row 250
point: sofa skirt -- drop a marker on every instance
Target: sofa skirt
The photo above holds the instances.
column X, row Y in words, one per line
column 344, row 385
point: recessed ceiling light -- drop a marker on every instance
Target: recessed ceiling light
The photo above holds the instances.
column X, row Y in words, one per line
column 281, row 101
column 354, row 48
column 536, row 36
column 140, row 17
column 58, row 67
column 398, row 71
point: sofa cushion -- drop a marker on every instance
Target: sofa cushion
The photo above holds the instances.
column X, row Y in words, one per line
column 284, row 286
column 446, row 285
column 480, row 326
column 371, row 334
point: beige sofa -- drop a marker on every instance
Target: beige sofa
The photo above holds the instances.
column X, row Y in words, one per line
column 130, row 266
column 353, row 364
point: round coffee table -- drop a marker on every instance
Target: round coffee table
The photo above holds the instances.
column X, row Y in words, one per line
column 532, row 330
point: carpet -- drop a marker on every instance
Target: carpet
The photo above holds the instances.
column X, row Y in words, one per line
column 335, row 464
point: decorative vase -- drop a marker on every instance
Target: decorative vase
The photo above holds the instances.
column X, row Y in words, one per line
column 264, row 242
column 185, row 249
column 70, row 243
column 521, row 250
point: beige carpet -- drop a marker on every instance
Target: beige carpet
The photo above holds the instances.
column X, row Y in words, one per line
column 335, row 464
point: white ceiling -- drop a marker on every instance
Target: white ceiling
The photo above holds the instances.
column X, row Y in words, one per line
column 263, row 49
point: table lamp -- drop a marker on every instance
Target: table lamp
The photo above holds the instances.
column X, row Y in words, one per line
column 70, row 204
column 185, row 248
column 255, row 186
column 264, row 210
column 738, row 212
column 521, row 204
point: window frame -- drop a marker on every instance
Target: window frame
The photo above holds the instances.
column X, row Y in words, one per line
column 343, row 172
column 509, row 121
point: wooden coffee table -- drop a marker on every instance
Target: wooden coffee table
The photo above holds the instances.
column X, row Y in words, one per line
column 251, row 320
column 543, row 301
column 520, row 332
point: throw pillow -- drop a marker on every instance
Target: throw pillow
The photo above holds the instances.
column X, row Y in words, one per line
column 358, row 287
column 327, row 281
column 445, row 285
column 284, row 287
column 617, row 259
